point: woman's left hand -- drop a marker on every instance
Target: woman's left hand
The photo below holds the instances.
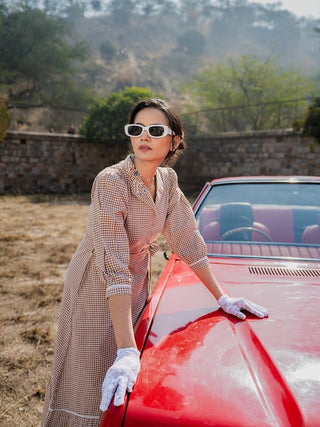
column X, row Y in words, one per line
column 235, row 305
column 120, row 377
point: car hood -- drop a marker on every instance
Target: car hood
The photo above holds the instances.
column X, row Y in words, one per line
column 202, row 367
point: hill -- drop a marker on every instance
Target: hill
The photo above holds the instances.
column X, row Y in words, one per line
column 158, row 44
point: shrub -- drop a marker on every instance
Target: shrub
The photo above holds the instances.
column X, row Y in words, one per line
column 191, row 42
column 107, row 50
column 4, row 119
column 311, row 126
column 107, row 117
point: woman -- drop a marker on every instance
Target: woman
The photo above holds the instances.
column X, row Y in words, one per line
column 107, row 283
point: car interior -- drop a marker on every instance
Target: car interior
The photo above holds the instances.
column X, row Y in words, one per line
column 260, row 223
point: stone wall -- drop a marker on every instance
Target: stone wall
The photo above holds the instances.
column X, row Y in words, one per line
column 281, row 152
column 52, row 163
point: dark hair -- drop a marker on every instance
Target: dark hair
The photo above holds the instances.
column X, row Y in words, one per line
column 174, row 122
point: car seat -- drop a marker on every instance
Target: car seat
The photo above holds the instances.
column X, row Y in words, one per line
column 311, row 233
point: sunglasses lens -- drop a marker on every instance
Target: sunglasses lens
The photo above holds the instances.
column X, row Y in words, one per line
column 135, row 130
column 156, row 131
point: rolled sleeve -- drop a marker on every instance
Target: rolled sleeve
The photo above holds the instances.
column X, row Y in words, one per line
column 180, row 229
column 110, row 239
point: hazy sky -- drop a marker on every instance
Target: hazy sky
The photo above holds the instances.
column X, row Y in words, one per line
column 298, row 7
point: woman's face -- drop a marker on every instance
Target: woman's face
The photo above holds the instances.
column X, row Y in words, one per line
column 144, row 146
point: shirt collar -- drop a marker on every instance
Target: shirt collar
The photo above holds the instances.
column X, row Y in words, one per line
column 136, row 184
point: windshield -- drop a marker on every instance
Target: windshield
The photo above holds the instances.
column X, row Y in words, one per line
column 273, row 220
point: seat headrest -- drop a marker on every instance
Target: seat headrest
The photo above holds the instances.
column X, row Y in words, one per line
column 236, row 213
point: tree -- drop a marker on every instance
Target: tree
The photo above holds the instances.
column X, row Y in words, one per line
column 249, row 93
column 147, row 7
column 37, row 55
column 108, row 50
column 108, row 116
column 122, row 11
column 65, row 7
column 191, row 42
column 311, row 125
column 96, row 5
column 4, row 118
column 193, row 10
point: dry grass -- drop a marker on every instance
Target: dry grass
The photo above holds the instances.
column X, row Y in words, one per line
column 38, row 235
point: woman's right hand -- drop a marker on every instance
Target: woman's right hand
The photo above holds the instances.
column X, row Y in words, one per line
column 120, row 377
column 235, row 305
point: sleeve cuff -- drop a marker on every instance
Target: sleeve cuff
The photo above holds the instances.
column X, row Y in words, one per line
column 199, row 263
column 118, row 290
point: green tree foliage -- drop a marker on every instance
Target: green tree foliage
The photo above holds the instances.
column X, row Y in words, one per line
column 121, row 10
column 96, row 5
column 192, row 10
column 4, row 118
column 254, row 89
column 191, row 42
column 108, row 50
column 64, row 7
column 107, row 116
column 311, row 125
column 37, row 57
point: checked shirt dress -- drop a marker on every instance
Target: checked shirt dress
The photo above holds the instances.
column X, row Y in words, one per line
column 112, row 259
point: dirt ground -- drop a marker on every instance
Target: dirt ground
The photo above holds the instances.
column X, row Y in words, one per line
column 38, row 235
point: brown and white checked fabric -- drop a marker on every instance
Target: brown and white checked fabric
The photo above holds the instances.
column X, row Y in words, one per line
column 112, row 259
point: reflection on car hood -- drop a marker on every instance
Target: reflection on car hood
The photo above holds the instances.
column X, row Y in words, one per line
column 202, row 367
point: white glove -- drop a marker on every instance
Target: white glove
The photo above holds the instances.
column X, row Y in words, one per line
column 120, row 377
column 235, row 305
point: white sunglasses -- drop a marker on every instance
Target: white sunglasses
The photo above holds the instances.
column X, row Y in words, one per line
column 155, row 131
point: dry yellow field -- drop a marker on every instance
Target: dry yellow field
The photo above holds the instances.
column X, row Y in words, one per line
column 38, row 235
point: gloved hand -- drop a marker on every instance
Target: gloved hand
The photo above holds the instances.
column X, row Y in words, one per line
column 235, row 305
column 120, row 377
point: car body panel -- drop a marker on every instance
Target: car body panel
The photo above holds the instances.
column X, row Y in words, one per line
column 203, row 367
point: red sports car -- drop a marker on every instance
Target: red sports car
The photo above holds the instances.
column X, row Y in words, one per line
column 202, row 367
